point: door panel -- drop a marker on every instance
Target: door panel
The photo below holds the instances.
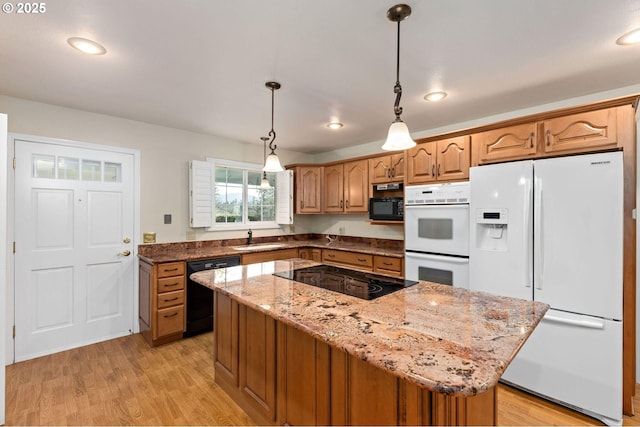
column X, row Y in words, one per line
column 74, row 268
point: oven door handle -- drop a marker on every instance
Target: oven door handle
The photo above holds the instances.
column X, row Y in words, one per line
column 450, row 259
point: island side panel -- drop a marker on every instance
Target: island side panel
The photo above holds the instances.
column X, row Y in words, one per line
column 319, row 384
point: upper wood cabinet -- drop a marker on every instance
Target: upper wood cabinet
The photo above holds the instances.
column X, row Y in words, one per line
column 510, row 143
column 346, row 187
column 308, row 191
column 441, row 160
column 579, row 132
column 386, row 169
column 575, row 133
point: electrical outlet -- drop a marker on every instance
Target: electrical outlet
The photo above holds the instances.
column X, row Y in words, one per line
column 341, row 230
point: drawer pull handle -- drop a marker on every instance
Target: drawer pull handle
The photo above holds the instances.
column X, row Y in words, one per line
column 331, row 255
column 531, row 139
column 172, row 284
column 361, row 259
column 387, row 263
column 171, row 299
column 171, row 315
column 548, row 137
column 171, row 269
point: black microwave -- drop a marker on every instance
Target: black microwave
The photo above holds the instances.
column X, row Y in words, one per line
column 386, row 208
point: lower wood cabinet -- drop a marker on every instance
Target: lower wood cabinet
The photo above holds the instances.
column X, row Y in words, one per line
column 313, row 254
column 255, row 257
column 281, row 375
column 162, row 315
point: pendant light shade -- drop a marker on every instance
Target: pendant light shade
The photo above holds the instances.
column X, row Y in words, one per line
column 398, row 137
column 272, row 163
column 264, row 184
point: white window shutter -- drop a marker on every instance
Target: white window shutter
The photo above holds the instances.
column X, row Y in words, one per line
column 200, row 194
column 284, row 194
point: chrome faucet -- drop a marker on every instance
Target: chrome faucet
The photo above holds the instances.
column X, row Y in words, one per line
column 330, row 239
column 250, row 238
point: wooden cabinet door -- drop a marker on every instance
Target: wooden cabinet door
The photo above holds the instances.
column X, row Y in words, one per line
column 258, row 361
column 356, row 186
column 308, row 189
column 225, row 350
column 421, row 163
column 453, row 158
column 386, row 169
column 313, row 254
column 333, row 188
column 510, row 143
column 380, row 170
column 397, row 167
column 581, row 132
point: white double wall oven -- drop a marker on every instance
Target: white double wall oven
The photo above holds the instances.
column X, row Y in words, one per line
column 437, row 233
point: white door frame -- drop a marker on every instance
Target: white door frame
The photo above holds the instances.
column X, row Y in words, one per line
column 4, row 265
column 10, row 288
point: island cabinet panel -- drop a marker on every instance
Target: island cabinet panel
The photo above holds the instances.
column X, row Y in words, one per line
column 281, row 375
column 362, row 394
column 225, row 356
column 303, row 378
column 257, row 367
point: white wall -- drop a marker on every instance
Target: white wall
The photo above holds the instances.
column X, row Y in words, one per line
column 164, row 152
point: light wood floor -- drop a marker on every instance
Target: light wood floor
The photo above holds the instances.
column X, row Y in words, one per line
column 125, row 382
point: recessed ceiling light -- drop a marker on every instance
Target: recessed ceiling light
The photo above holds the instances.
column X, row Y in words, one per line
column 334, row 125
column 632, row 37
column 86, row 46
column 435, row 96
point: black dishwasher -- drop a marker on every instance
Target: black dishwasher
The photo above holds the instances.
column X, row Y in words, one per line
column 200, row 298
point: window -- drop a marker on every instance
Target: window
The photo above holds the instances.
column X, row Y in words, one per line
column 226, row 195
column 238, row 198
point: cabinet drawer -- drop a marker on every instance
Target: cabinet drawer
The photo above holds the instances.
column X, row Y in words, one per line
column 168, row 299
column 171, row 269
column 389, row 265
column 170, row 320
column 350, row 258
column 169, row 284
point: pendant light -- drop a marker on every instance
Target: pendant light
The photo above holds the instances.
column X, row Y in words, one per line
column 264, row 185
column 272, row 164
column 398, row 137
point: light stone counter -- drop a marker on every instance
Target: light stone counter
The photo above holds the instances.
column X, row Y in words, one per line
column 448, row 340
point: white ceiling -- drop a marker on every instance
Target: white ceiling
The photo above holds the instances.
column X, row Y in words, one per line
column 201, row 65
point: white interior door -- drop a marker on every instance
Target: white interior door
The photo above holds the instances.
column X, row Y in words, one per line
column 74, row 263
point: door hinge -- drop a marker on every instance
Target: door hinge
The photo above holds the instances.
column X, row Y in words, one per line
column 14, row 247
column 14, row 163
column 14, row 331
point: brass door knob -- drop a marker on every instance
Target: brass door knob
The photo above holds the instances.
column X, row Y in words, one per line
column 125, row 253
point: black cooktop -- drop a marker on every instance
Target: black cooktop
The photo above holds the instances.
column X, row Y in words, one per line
column 355, row 283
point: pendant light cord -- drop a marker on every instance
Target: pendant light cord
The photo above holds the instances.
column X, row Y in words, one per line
column 397, row 89
column 272, row 132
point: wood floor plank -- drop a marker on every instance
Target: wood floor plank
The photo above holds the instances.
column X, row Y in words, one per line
column 126, row 382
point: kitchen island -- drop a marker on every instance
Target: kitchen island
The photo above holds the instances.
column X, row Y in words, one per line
column 429, row 354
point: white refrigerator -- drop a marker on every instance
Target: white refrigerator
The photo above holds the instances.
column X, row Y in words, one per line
column 551, row 230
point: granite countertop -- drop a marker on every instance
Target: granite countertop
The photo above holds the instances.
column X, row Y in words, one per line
column 188, row 251
column 448, row 340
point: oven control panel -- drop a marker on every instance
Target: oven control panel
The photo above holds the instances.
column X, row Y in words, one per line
column 437, row 194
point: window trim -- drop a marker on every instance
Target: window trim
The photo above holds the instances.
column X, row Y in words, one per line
column 245, row 166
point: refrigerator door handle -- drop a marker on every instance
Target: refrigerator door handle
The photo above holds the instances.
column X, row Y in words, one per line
column 527, row 234
column 537, row 227
column 591, row 324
